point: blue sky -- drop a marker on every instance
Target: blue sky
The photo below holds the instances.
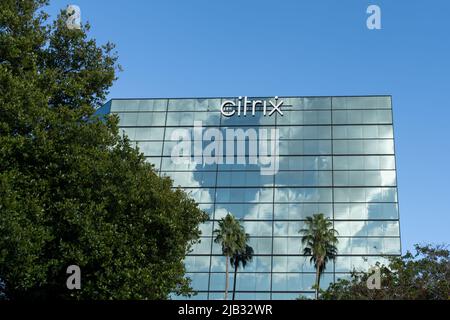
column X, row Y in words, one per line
column 323, row 47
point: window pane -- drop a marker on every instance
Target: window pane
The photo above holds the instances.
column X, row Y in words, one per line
column 363, row 211
column 365, row 195
column 149, row 134
column 305, row 163
column 203, row 247
column 297, row 211
column 258, row 228
column 150, row 149
column 138, row 105
column 364, row 178
column 362, row 117
column 362, row 146
column 188, row 118
column 304, row 118
column 253, row 281
column 363, row 162
column 304, row 132
column 224, row 195
column 367, row 228
column 261, row 245
column 199, row 281
column 292, row 264
column 362, row 102
column 303, row 195
column 245, row 211
column 197, row 263
column 243, row 178
column 290, row 245
column 303, row 178
column 305, row 147
column 169, row 165
column 292, row 282
column 176, row 105
column 151, row 119
column 201, row 195
column 287, row 228
column 349, row 264
column 192, row 179
column 218, row 281
column 363, row 132
column 376, row 246
column 307, row 103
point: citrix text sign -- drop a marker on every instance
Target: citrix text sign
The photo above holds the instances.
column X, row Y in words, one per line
column 230, row 108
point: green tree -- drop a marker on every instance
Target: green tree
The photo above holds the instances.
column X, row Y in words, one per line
column 233, row 239
column 319, row 241
column 423, row 275
column 72, row 190
column 241, row 258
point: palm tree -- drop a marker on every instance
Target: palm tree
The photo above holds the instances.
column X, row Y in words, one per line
column 241, row 258
column 232, row 237
column 319, row 240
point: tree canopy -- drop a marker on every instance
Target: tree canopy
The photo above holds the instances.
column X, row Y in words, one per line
column 72, row 190
column 319, row 242
column 423, row 275
column 231, row 235
column 241, row 258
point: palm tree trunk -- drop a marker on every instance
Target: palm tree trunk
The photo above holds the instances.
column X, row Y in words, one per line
column 317, row 281
column 234, row 280
column 226, row 279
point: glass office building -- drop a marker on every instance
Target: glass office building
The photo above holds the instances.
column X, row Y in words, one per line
column 336, row 157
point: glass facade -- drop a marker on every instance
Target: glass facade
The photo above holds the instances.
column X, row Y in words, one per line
column 336, row 157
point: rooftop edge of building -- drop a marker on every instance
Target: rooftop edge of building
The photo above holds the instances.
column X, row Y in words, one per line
column 262, row 97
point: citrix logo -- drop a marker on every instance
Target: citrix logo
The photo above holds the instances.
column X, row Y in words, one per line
column 229, row 108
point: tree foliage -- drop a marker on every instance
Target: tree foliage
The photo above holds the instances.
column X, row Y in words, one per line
column 72, row 190
column 233, row 239
column 241, row 258
column 319, row 241
column 424, row 275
